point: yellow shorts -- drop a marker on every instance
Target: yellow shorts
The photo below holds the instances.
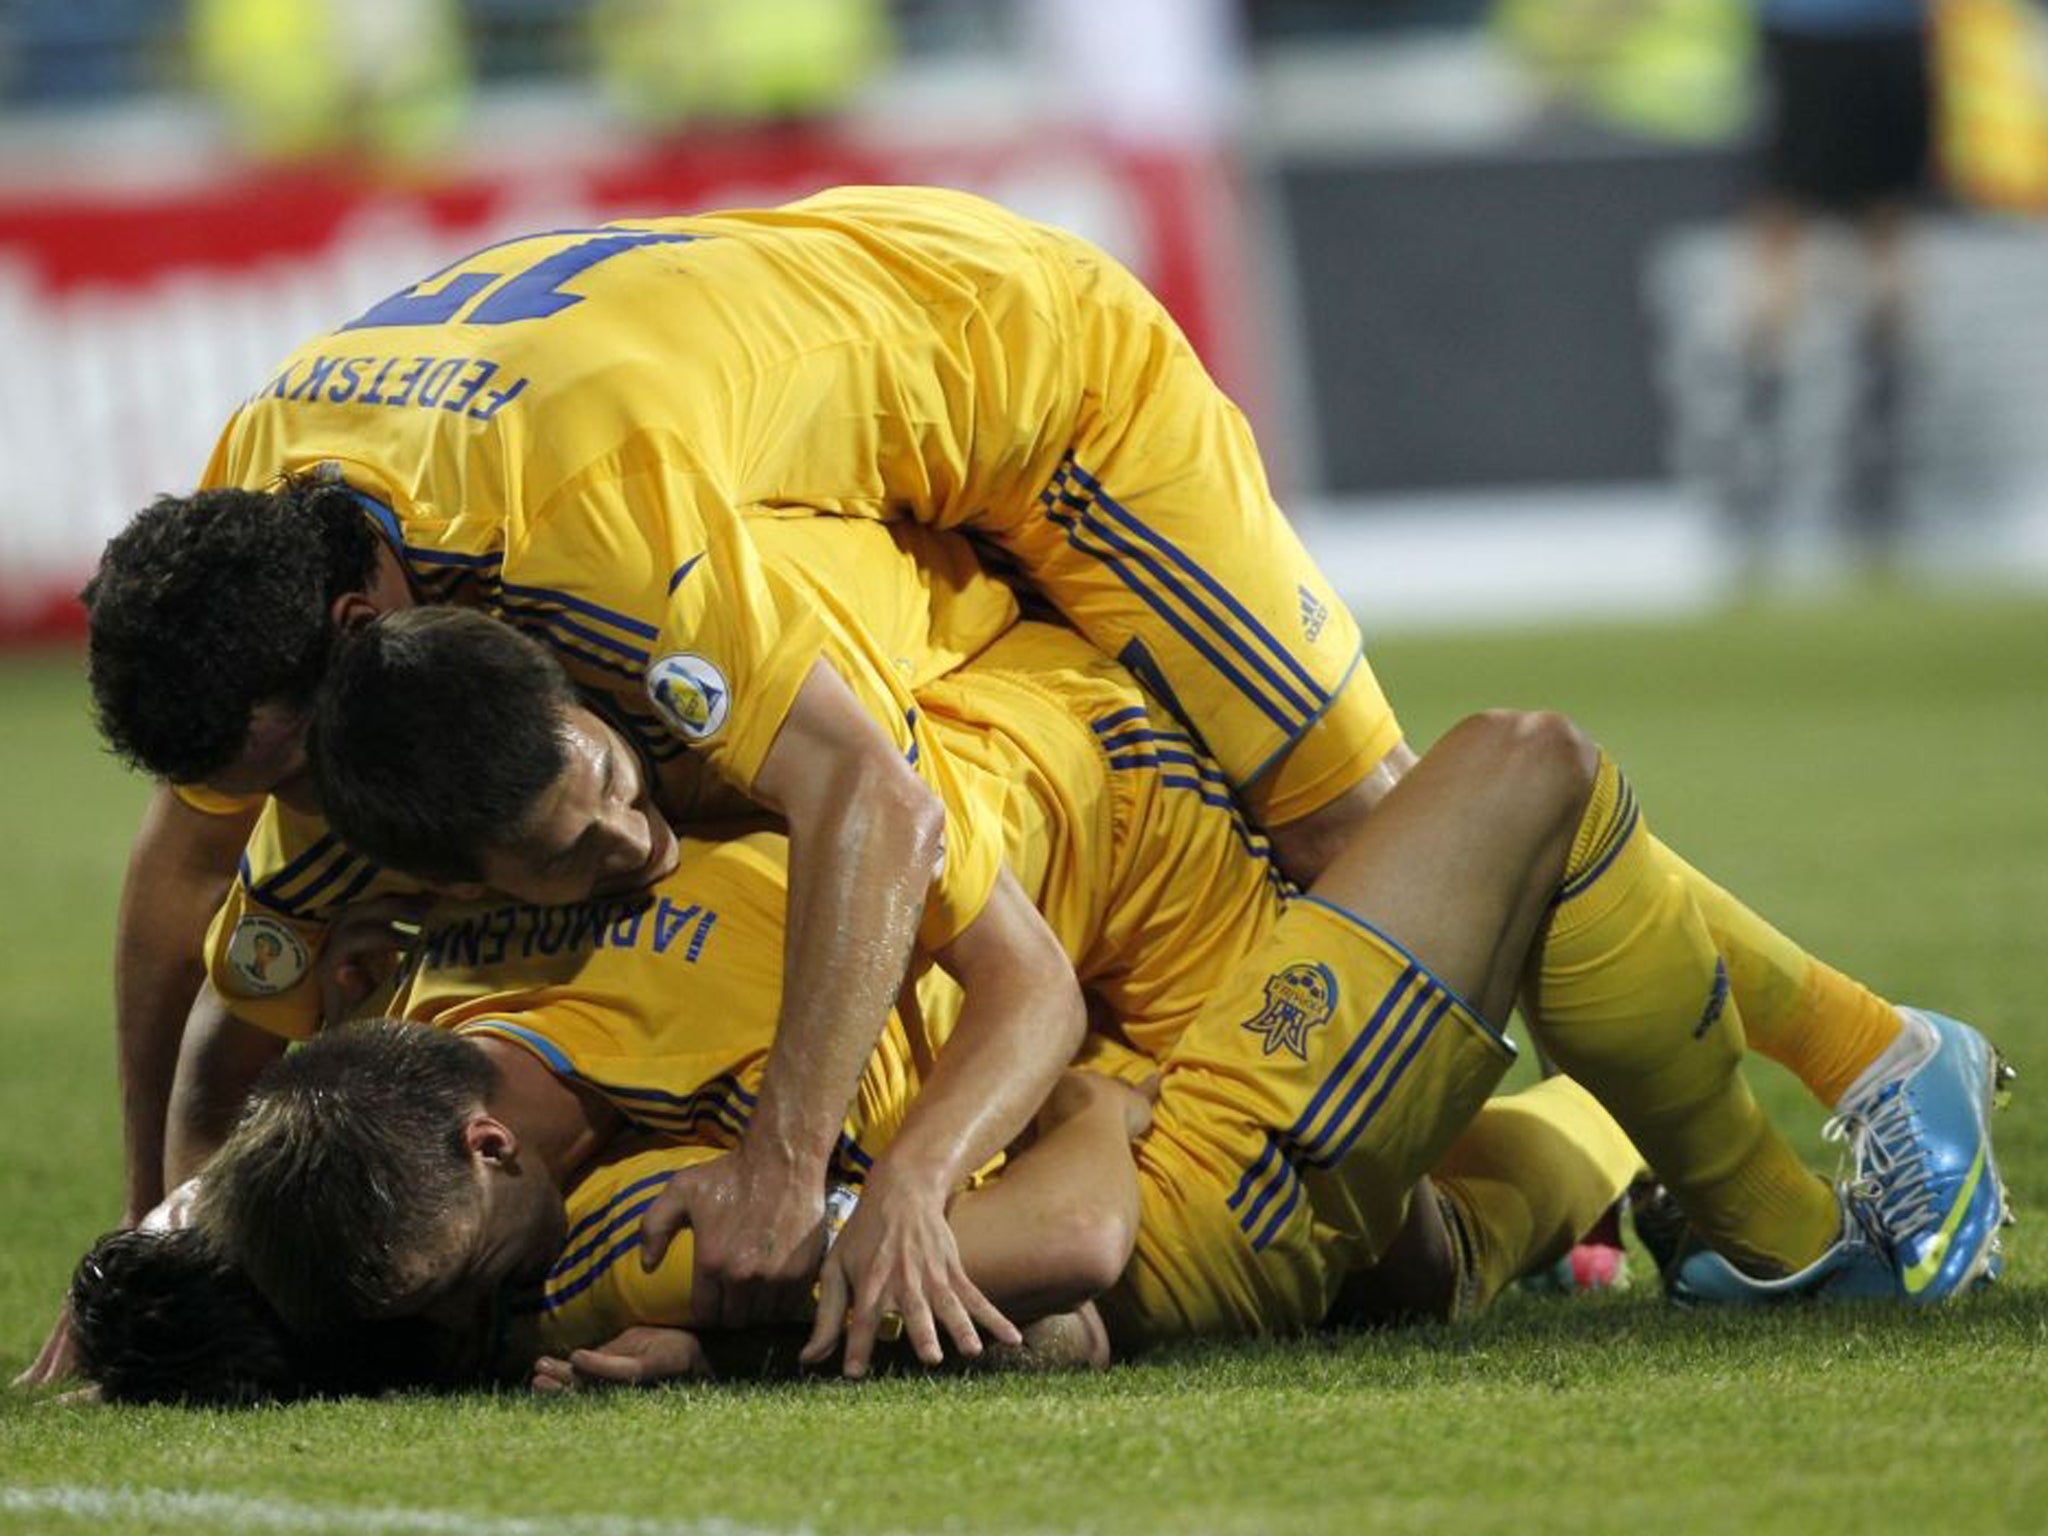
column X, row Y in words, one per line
column 1294, row 1118
column 1159, row 538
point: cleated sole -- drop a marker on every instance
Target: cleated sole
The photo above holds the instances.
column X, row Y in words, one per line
column 2003, row 1075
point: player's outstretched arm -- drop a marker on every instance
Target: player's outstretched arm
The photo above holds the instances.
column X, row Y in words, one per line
column 866, row 841
column 1021, row 1021
column 178, row 873
column 1052, row 1232
column 1057, row 1227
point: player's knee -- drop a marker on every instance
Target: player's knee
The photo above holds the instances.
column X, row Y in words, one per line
column 1094, row 1246
column 1543, row 752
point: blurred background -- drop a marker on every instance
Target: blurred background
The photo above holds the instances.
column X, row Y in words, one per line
column 1496, row 278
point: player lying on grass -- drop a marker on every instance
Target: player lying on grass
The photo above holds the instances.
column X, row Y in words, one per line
column 591, row 433
column 1315, row 1079
column 164, row 1317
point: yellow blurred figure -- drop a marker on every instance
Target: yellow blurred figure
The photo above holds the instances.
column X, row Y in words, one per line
column 1991, row 58
column 665, row 61
column 302, row 78
column 1671, row 69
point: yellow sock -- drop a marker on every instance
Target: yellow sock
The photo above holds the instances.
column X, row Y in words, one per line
column 1819, row 1024
column 1529, row 1177
column 1629, row 996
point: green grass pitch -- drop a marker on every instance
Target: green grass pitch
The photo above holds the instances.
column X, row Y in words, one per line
column 1873, row 776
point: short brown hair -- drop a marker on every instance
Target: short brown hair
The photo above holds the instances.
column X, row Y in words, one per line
column 347, row 1163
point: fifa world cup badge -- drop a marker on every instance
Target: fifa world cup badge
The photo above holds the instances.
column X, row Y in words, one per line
column 1298, row 998
column 691, row 694
column 265, row 957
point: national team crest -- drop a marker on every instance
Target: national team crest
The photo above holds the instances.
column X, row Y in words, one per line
column 265, row 957
column 691, row 694
column 1298, row 998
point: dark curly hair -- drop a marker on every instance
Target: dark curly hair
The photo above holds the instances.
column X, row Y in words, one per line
column 165, row 1317
column 208, row 605
column 161, row 1317
column 435, row 733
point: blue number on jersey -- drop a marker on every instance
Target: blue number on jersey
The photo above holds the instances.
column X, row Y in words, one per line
column 532, row 294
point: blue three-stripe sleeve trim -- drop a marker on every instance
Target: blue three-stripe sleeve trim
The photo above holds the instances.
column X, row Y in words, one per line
column 493, row 560
column 592, row 1218
column 616, row 1213
column 556, row 1300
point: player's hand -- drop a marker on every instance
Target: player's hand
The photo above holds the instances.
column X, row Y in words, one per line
column 363, row 948
column 639, row 1357
column 759, row 1235
column 898, row 1257
column 56, row 1361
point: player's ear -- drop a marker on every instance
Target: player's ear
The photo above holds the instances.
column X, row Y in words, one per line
column 489, row 1138
column 351, row 611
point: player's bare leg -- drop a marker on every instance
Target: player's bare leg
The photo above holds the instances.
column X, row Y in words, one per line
column 1306, row 845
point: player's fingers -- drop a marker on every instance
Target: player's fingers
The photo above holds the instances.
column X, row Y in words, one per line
column 54, row 1361
column 862, row 1325
column 831, row 1319
column 919, row 1328
column 553, row 1375
column 951, row 1313
column 595, row 1365
column 987, row 1313
column 667, row 1216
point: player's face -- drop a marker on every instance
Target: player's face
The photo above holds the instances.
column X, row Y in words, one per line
column 509, row 1236
column 596, row 830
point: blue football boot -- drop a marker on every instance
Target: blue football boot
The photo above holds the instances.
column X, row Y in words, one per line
column 1857, row 1268
column 1921, row 1166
